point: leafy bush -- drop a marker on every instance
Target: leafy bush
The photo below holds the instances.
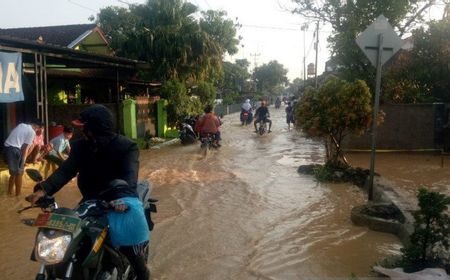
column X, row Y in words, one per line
column 323, row 173
column 430, row 240
column 334, row 110
column 180, row 103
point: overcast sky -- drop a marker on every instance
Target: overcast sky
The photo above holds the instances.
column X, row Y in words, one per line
column 269, row 32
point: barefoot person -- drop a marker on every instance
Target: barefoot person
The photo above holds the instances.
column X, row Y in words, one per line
column 16, row 149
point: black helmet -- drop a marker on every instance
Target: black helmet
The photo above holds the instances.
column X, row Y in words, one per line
column 97, row 118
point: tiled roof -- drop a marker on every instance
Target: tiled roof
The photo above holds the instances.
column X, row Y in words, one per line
column 61, row 35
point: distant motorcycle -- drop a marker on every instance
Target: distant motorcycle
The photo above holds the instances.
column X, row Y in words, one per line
column 187, row 133
column 246, row 117
column 277, row 104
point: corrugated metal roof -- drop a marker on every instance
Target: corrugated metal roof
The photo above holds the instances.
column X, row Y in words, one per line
column 61, row 35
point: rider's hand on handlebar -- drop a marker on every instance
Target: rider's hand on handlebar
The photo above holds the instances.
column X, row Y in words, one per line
column 119, row 205
column 35, row 196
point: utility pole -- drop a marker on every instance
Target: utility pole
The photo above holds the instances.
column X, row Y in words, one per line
column 317, row 53
column 304, row 28
column 255, row 55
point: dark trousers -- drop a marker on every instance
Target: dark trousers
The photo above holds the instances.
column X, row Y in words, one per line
column 137, row 256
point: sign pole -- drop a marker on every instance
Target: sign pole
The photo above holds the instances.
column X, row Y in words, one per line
column 375, row 114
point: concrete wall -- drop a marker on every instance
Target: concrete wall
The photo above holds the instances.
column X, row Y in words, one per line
column 64, row 114
column 405, row 127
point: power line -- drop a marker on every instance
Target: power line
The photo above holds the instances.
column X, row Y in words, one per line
column 279, row 28
column 269, row 27
column 207, row 3
column 81, row 6
column 124, row 2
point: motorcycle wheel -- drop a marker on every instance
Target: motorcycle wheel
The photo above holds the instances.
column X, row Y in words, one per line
column 108, row 275
column 204, row 148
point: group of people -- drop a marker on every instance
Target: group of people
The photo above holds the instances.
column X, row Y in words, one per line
column 97, row 159
column 262, row 113
column 25, row 144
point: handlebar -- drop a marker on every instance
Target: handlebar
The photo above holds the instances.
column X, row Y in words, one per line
column 45, row 202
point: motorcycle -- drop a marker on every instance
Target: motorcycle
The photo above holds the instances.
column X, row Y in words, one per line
column 277, row 104
column 208, row 142
column 74, row 243
column 187, row 133
column 262, row 127
column 246, row 117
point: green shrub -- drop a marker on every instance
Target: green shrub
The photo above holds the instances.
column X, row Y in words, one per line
column 323, row 173
column 429, row 246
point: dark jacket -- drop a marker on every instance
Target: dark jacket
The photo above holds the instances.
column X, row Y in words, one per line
column 97, row 166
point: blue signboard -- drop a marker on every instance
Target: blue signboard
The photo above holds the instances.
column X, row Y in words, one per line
column 10, row 77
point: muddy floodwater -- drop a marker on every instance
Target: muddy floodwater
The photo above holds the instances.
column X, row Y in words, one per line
column 241, row 212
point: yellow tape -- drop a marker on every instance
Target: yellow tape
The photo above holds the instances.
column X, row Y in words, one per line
column 394, row 151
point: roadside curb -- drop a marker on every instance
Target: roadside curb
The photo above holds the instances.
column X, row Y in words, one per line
column 166, row 143
column 384, row 192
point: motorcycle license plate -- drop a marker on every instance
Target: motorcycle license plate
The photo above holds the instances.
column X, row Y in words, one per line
column 57, row 221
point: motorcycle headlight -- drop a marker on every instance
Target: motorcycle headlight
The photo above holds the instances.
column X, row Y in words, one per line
column 51, row 248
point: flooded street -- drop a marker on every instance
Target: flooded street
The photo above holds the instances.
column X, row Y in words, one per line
column 241, row 212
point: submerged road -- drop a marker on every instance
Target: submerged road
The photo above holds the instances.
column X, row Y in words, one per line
column 242, row 212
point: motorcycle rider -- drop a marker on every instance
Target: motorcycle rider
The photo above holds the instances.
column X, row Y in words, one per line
column 262, row 113
column 101, row 157
column 246, row 107
column 209, row 123
column 277, row 103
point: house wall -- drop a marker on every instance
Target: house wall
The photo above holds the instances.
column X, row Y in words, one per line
column 405, row 127
column 64, row 114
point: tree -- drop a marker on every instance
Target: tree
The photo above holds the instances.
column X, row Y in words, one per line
column 269, row 77
column 184, row 48
column 333, row 111
column 180, row 103
column 206, row 92
column 235, row 75
column 429, row 63
column 168, row 35
column 294, row 88
column 348, row 18
column 421, row 74
column 221, row 30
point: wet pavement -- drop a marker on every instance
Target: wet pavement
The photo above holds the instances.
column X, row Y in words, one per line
column 407, row 172
column 241, row 212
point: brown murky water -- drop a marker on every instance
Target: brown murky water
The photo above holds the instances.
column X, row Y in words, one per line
column 242, row 212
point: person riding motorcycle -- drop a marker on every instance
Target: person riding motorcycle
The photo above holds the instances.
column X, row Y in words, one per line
column 209, row 123
column 277, row 103
column 98, row 159
column 262, row 113
column 246, row 107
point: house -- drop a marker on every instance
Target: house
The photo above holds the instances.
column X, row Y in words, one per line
column 80, row 37
column 64, row 69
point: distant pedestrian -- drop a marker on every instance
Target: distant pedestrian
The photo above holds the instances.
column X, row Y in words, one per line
column 16, row 151
column 289, row 115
